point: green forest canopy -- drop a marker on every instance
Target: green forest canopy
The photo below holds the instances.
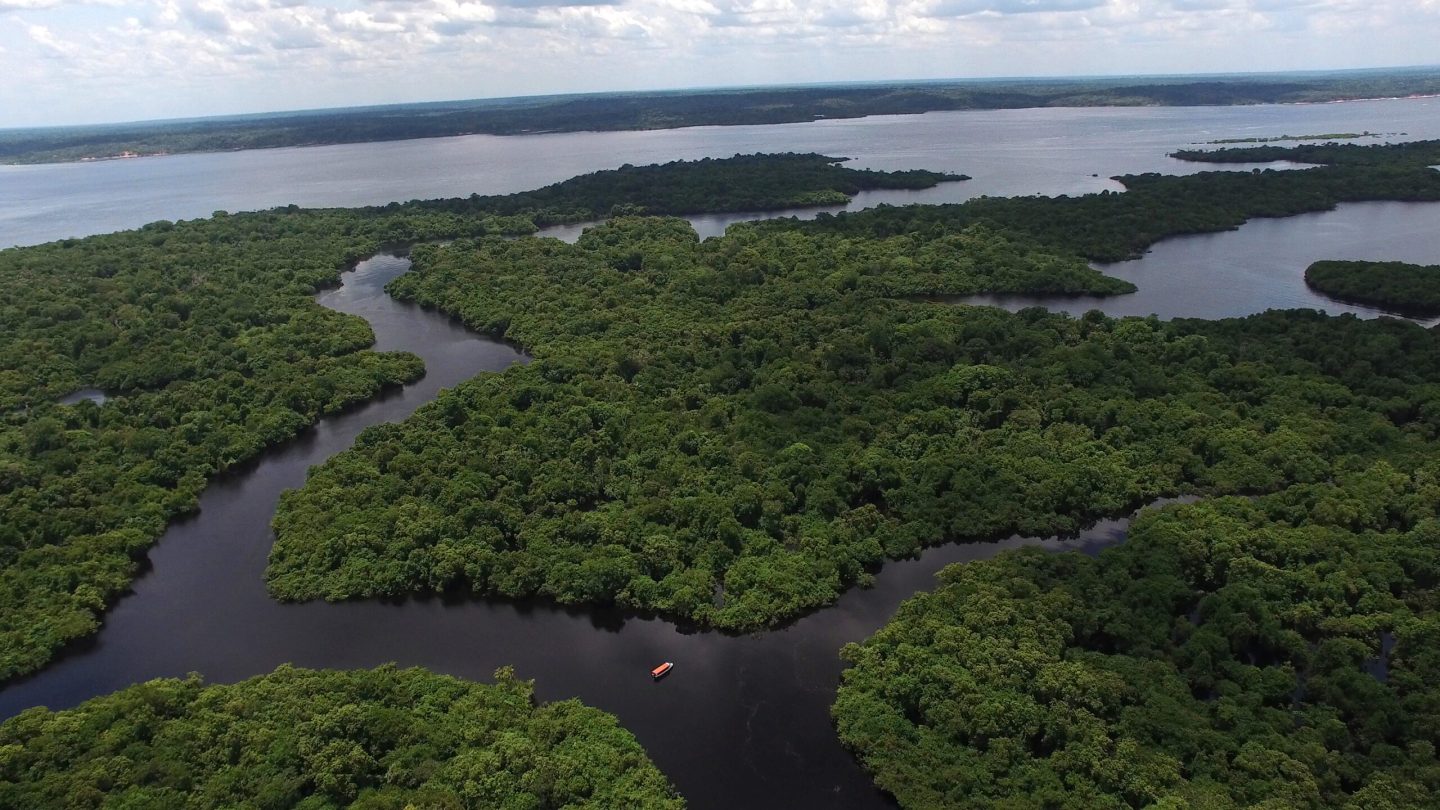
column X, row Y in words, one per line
column 1282, row 652
column 1411, row 289
column 207, row 335
column 732, row 432
column 1417, row 153
column 383, row 739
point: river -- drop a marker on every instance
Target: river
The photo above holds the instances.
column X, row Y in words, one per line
column 744, row 720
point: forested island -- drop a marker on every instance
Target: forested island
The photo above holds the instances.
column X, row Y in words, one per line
column 1418, row 153
column 685, row 108
column 373, row 739
column 207, row 336
column 1410, row 289
column 1277, row 652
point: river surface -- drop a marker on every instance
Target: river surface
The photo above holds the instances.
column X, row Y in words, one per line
column 743, row 721
column 1007, row 152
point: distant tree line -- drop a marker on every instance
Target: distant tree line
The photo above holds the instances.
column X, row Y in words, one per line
column 669, row 109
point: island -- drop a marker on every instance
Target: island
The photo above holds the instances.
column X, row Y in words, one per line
column 1400, row 287
column 382, row 738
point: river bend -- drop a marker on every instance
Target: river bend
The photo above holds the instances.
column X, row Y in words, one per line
column 743, row 722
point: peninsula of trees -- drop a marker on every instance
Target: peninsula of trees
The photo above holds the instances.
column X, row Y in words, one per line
column 371, row 739
column 1409, row 289
column 1280, row 652
column 208, row 338
column 684, row 108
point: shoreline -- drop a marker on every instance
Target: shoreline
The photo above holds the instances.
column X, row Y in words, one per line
column 536, row 133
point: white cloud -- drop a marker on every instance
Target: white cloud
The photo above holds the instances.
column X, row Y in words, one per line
column 114, row 59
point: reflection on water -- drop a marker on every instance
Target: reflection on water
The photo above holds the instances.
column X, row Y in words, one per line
column 94, row 395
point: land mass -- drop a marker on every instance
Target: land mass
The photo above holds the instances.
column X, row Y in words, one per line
column 685, row 108
column 383, row 738
column 1409, row 289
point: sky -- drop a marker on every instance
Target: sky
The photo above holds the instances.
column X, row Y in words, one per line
column 90, row 61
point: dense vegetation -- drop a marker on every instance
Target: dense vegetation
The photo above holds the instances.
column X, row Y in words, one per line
column 1409, row 289
column 733, row 431
column 1330, row 136
column 383, row 739
column 207, row 335
column 1280, row 652
column 664, row 110
column 739, row 183
column 1415, row 153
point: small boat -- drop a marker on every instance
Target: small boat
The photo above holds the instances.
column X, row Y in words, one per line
column 661, row 671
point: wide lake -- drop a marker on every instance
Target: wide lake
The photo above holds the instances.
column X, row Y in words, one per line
column 744, row 720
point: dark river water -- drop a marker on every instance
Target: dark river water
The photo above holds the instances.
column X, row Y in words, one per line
column 743, row 721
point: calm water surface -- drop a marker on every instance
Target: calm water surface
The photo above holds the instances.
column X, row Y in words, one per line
column 1008, row 152
column 742, row 722
column 1260, row 266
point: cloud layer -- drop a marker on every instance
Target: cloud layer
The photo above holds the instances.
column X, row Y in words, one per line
column 103, row 60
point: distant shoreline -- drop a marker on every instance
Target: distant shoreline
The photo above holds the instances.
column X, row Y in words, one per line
column 662, row 110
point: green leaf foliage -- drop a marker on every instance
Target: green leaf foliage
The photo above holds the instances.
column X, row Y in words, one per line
column 670, row 108
column 739, row 183
column 1409, row 289
column 1278, row 652
column 383, row 739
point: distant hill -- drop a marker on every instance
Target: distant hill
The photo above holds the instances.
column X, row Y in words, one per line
column 684, row 108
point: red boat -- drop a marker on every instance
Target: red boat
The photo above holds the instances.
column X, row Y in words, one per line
column 661, row 671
